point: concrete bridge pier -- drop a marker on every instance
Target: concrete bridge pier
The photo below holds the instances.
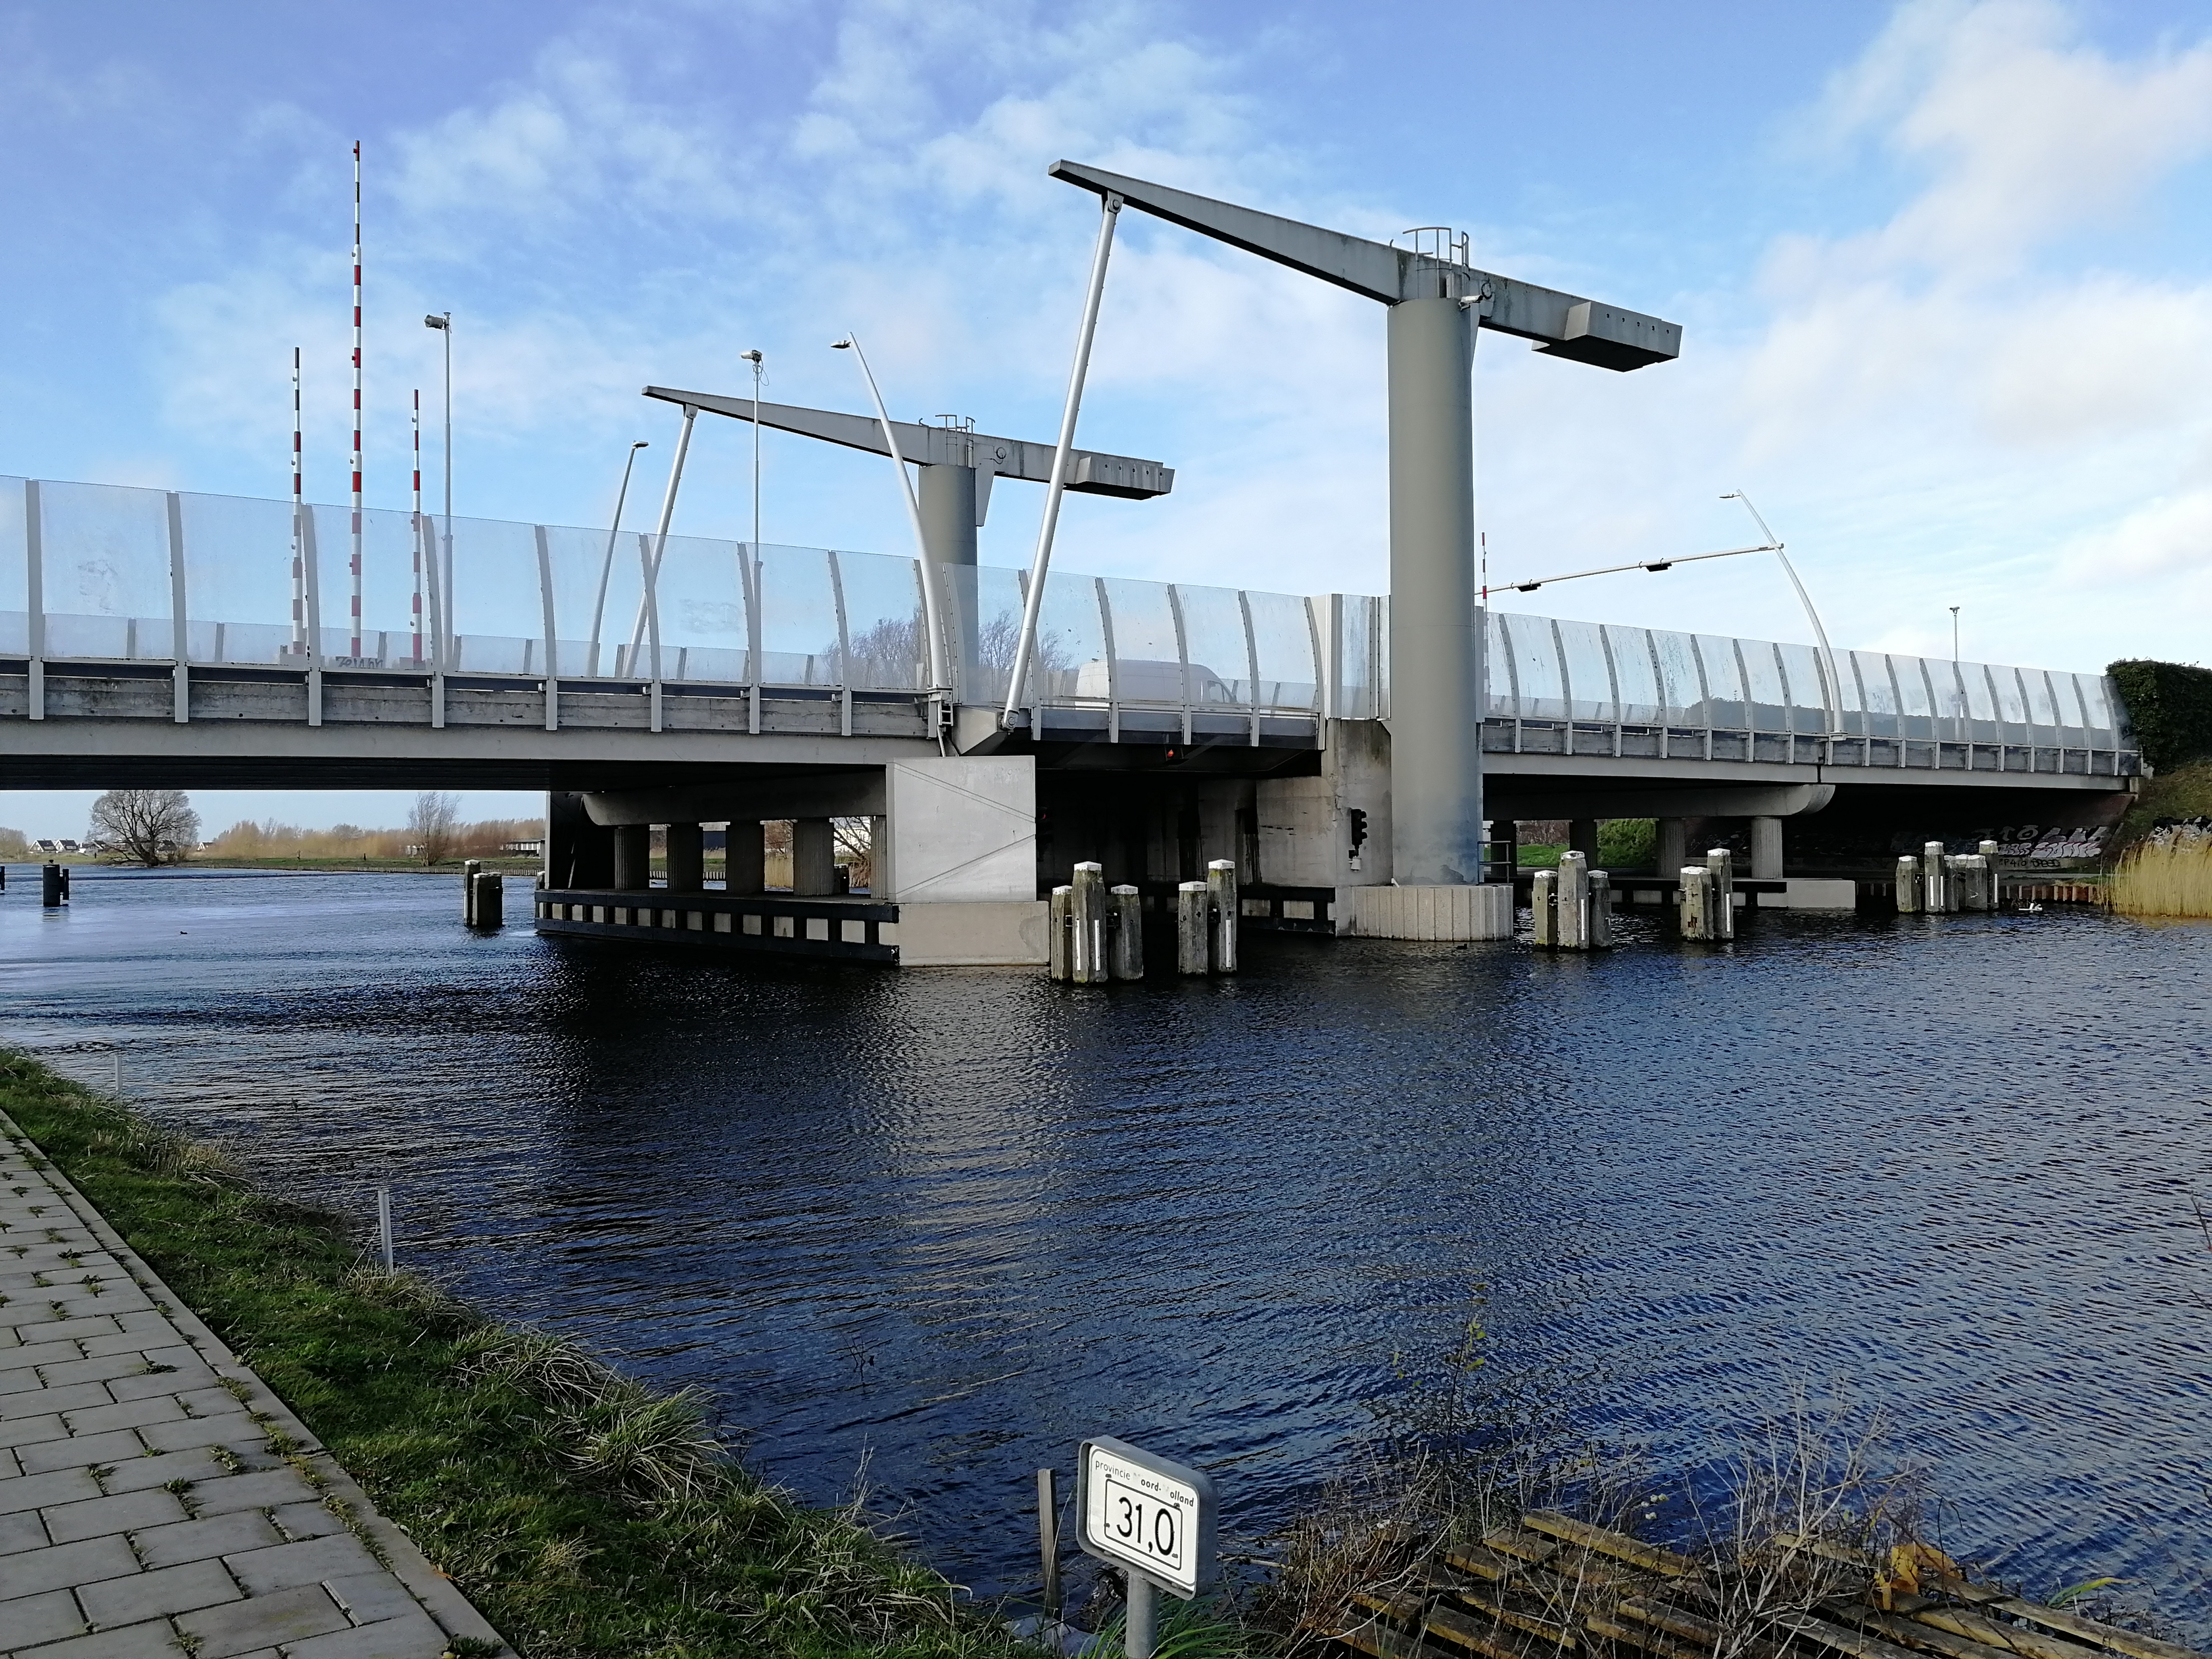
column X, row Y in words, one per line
column 745, row 856
column 1582, row 837
column 813, row 857
column 633, row 870
column 578, row 852
column 687, row 857
column 1767, row 849
column 1672, row 845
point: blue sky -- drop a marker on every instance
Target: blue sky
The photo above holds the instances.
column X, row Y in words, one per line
column 1945, row 269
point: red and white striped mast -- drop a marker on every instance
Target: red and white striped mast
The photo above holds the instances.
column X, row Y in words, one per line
column 299, row 512
column 416, row 656
column 354, row 648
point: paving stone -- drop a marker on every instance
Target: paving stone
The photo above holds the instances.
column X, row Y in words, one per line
column 149, row 1319
column 78, row 1396
column 414, row 1636
column 10, row 1465
column 262, row 1490
column 120, row 1414
column 66, row 1566
column 290, row 1615
column 125, row 1340
column 164, row 1385
column 233, row 1429
column 204, row 1540
column 48, row 1353
column 339, row 1556
column 297, row 1521
column 81, row 1451
column 149, row 1640
column 35, row 1492
column 67, row 1523
column 23, row 1431
column 150, row 1594
column 41, row 1325
column 369, row 1596
column 136, row 1474
column 26, row 1532
column 98, row 1368
column 26, row 1620
column 24, row 1379
column 209, row 1402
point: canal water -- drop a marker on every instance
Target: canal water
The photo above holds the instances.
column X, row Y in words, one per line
column 926, row 1230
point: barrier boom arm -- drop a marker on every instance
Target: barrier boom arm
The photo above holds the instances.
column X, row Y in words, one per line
column 1562, row 324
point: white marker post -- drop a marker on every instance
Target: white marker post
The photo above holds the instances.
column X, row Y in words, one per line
column 1151, row 1518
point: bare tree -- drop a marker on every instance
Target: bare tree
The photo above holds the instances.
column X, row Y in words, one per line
column 146, row 826
column 431, row 824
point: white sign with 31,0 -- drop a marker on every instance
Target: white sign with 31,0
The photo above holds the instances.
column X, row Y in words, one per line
column 1145, row 1513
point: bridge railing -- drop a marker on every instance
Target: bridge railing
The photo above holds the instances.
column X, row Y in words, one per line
column 1548, row 675
column 95, row 572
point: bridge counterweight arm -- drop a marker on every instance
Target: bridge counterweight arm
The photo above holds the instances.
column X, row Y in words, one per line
column 1091, row 472
column 1562, row 324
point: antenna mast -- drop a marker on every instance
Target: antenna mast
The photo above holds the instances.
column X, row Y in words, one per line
column 355, row 647
column 417, row 609
column 299, row 511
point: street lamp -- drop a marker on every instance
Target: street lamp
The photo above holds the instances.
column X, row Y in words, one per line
column 1954, row 633
column 607, row 564
column 443, row 322
column 754, row 358
column 937, row 676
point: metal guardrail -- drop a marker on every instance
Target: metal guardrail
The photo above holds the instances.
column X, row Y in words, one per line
column 94, row 573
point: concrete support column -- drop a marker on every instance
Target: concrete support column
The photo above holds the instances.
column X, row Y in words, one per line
column 1582, row 837
column 579, row 854
column 1673, row 844
column 632, row 860
column 1767, row 849
column 949, row 521
column 744, row 857
column 813, row 857
column 1436, row 689
column 687, row 859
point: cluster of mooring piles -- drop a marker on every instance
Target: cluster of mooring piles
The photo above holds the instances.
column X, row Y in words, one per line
column 1942, row 882
column 1553, row 1585
column 1098, row 933
column 1571, row 908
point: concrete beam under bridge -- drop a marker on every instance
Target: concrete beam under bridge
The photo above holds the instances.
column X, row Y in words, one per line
column 1762, row 800
column 746, row 792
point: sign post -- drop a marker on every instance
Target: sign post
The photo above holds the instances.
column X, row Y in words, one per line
column 1151, row 1518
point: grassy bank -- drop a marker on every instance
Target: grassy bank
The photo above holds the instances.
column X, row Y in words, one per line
column 582, row 1513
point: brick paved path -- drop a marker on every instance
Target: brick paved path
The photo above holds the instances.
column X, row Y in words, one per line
column 156, row 1500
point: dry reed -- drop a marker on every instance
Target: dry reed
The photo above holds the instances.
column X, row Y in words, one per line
column 2169, row 875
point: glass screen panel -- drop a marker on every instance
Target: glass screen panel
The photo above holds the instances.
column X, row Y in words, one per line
column 14, row 571
column 703, row 613
column 1678, row 666
column 1725, row 706
column 1809, row 698
column 1587, row 678
column 1213, row 637
column 1536, row 667
column 799, row 617
column 106, row 567
column 1147, row 667
column 1641, row 702
column 1283, row 633
column 883, row 621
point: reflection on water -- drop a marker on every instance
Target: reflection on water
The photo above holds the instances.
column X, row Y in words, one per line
column 954, row 1222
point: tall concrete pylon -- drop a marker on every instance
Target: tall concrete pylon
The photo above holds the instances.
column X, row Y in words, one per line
column 1436, row 300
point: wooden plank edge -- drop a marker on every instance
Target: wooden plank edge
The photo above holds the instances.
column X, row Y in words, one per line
column 1619, row 1545
column 2105, row 1635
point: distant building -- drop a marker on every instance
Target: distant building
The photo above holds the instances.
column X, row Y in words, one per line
column 528, row 850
